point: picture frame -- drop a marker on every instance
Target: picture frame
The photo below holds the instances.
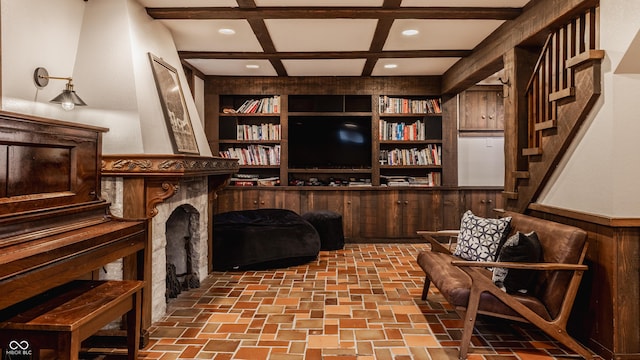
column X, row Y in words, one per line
column 174, row 107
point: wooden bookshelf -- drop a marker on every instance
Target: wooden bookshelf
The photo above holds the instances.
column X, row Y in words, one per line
column 414, row 103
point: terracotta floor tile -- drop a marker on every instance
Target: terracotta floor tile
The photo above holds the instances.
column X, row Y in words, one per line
column 359, row 303
column 221, row 345
column 370, row 335
column 251, row 353
column 323, row 341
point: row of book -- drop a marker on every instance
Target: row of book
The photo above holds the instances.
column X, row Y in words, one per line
column 259, row 132
column 254, row 180
column 401, row 130
column 270, row 105
column 254, row 155
column 430, row 155
column 431, row 179
column 392, row 105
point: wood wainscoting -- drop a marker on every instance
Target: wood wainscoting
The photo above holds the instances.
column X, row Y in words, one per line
column 606, row 314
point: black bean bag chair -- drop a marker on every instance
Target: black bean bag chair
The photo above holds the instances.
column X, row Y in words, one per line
column 262, row 239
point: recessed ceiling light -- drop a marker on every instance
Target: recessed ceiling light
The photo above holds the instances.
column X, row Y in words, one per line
column 252, row 66
column 390, row 66
column 225, row 31
column 410, row 32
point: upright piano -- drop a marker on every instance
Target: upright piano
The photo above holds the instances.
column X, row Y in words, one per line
column 54, row 226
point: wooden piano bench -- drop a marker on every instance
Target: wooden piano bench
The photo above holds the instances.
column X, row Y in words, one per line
column 60, row 319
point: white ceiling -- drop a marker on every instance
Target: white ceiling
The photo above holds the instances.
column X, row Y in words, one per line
column 320, row 35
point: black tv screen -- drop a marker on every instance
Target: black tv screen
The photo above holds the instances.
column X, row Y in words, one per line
column 329, row 142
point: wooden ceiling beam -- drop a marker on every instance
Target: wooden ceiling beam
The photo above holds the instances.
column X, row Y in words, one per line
column 200, row 13
column 264, row 38
column 380, row 36
column 323, row 55
column 486, row 59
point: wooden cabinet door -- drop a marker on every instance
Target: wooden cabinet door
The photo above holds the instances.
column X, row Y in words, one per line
column 482, row 110
column 481, row 202
column 372, row 220
column 228, row 200
column 421, row 210
column 351, row 215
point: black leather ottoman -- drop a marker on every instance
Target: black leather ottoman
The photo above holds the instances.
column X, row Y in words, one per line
column 329, row 227
column 262, row 239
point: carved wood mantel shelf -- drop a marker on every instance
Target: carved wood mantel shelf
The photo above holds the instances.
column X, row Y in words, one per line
column 155, row 177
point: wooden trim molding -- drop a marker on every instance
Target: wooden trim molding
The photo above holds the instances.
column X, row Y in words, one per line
column 587, row 217
column 166, row 165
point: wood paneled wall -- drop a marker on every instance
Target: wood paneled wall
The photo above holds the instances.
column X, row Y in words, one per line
column 606, row 314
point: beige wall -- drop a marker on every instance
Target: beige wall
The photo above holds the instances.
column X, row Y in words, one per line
column 104, row 45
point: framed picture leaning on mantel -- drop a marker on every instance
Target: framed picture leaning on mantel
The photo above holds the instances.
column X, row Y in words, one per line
column 174, row 106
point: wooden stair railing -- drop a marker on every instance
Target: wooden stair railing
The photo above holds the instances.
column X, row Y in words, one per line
column 562, row 90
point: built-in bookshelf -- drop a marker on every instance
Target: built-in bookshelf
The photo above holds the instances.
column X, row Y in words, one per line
column 332, row 139
column 410, row 140
column 250, row 130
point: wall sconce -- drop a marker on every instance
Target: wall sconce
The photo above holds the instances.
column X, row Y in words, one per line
column 68, row 98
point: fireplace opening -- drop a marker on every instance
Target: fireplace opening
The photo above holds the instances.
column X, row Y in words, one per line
column 182, row 234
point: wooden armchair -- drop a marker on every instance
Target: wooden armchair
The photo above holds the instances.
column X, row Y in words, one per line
column 468, row 284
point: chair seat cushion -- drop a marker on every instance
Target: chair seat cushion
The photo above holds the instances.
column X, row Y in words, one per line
column 454, row 284
column 262, row 238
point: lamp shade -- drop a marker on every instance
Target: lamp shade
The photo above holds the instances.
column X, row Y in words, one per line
column 68, row 98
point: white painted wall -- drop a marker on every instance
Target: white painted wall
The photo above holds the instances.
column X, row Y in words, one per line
column 480, row 161
column 38, row 33
column 600, row 174
column 104, row 45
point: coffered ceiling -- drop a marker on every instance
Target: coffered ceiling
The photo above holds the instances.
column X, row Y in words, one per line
column 329, row 37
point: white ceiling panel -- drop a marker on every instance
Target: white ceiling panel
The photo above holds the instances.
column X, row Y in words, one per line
column 465, row 3
column 227, row 67
column 321, row 34
column 440, row 34
column 202, row 35
column 414, row 66
column 319, row 3
column 188, row 3
column 329, row 67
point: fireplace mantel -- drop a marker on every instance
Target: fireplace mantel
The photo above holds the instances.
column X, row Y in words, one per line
column 152, row 165
column 159, row 175
column 149, row 180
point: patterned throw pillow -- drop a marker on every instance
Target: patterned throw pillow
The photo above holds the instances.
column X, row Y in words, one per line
column 480, row 238
column 518, row 248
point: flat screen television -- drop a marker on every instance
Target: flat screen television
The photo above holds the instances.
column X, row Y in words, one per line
column 329, row 142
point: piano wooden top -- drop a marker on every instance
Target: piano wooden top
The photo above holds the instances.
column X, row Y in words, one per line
column 54, row 227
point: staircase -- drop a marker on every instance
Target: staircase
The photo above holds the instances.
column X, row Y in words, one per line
column 561, row 92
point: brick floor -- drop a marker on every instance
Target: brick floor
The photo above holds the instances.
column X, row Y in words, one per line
column 359, row 303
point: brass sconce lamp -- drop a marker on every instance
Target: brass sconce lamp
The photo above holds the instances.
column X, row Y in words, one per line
column 68, row 98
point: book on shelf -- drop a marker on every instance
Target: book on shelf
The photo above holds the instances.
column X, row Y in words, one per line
column 267, row 105
column 395, row 105
column 253, row 180
column 429, row 155
column 254, row 154
column 431, row 179
column 401, row 130
column 265, row 131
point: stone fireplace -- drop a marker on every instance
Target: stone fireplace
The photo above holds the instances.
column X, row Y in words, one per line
column 176, row 193
column 183, row 251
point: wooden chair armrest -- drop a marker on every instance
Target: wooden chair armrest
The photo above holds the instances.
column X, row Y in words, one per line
column 521, row 265
column 436, row 245
column 439, row 233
